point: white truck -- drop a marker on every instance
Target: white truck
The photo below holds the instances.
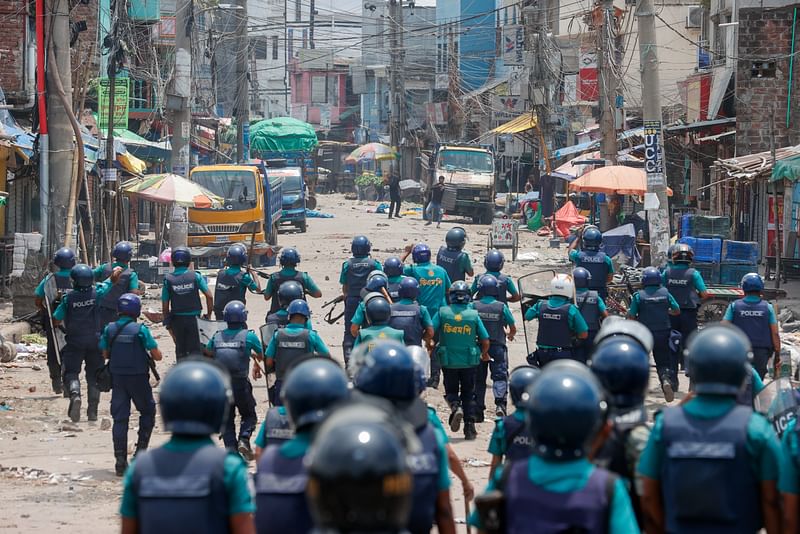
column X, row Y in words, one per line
column 469, row 178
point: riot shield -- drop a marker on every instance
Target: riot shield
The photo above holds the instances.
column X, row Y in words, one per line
column 51, row 296
column 777, row 401
column 207, row 328
column 533, row 287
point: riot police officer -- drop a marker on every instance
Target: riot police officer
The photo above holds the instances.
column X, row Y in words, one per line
column 652, row 306
column 128, row 281
column 590, row 304
column 452, row 257
column 312, row 389
column 233, row 280
column 593, row 260
column 233, row 348
column 711, row 465
column 687, row 287
column 789, row 477
column 506, row 291
column 180, row 303
column 47, row 296
column 378, row 312
column 377, row 284
column 393, row 268
column 756, row 318
column 287, row 293
column 353, row 278
column 275, row 430
column 189, row 484
column 289, row 259
column 496, row 318
column 129, row 345
column 409, row 317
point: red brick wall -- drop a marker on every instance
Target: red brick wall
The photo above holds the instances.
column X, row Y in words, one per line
column 13, row 14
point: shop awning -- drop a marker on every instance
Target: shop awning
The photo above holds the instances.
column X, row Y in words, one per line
column 756, row 166
column 788, row 169
column 595, row 143
column 348, row 112
column 523, row 123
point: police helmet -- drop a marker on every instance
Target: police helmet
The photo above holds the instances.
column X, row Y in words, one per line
column 409, row 288
column 561, row 285
column 195, row 397
column 82, row 276
column 651, row 276
column 388, row 372
column 289, row 291
column 234, row 313
column 64, row 258
column 123, row 251
column 617, row 326
column 487, row 286
column 237, row 255
column 421, row 253
column 682, row 253
column 360, row 246
column 494, row 261
column 581, row 276
column 181, row 256
column 422, row 364
column 311, row 389
column 752, row 283
column 456, row 238
column 717, row 359
column 377, row 310
column 623, row 368
column 298, row 307
column 130, row 305
column 393, row 267
column 289, row 257
column 564, row 410
column 376, row 280
column 518, row 382
column 592, row 239
column 460, row 293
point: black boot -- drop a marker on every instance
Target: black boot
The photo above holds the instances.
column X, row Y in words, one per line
column 140, row 448
column 58, row 386
column 470, row 433
column 74, row 410
column 121, row 463
column 93, row 395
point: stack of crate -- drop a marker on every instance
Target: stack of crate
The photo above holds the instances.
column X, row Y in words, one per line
column 707, row 256
column 738, row 259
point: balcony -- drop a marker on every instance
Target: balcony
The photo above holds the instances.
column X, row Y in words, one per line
column 143, row 98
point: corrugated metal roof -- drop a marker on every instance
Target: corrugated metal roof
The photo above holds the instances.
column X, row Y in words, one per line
column 520, row 124
column 755, row 166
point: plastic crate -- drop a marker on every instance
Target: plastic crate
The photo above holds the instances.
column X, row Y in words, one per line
column 686, row 225
column 740, row 252
column 711, row 226
column 709, row 271
column 705, row 250
column 730, row 274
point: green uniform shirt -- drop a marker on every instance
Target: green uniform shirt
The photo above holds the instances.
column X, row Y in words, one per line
column 574, row 318
column 633, row 311
column 61, row 273
column 511, row 289
column 789, row 478
column 238, row 485
column 372, row 335
column 246, row 280
column 360, row 319
column 346, row 266
column 100, row 290
column 252, row 341
column 395, row 279
column 202, row 286
column 308, row 282
column 145, row 336
column 438, row 427
column 433, row 285
column 134, row 280
column 751, row 299
column 459, row 327
column 317, row 345
column 261, row 437
column 498, row 443
column 697, row 278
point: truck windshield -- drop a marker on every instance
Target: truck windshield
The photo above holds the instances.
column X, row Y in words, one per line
column 237, row 187
column 466, row 160
column 292, row 182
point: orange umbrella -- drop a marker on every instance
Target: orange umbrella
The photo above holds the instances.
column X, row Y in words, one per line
column 614, row 179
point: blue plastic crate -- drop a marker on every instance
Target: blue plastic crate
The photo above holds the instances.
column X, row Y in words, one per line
column 705, row 250
column 745, row 252
column 686, row 225
column 730, row 274
column 709, row 271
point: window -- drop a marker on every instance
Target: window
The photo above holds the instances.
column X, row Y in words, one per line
column 298, row 10
column 319, row 89
column 762, row 69
column 259, row 45
column 275, row 47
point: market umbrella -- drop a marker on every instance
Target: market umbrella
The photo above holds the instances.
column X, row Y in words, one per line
column 614, row 179
column 371, row 151
column 171, row 189
column 571, row 170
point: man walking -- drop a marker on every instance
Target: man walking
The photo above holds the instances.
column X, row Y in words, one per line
column 434, row 210
column 394, row 195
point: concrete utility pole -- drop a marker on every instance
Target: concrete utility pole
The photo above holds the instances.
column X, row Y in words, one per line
column 540, row 86
column 656, row 197
column 453, row 109
column 242, row 84
column 394, row 72
column 607, row 80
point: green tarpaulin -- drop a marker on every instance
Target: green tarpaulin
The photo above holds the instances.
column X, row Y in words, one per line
column 282, row 134
column 788, row 168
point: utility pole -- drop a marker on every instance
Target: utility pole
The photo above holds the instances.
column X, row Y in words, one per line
column 453, row 112
column 775, row 211
column 394, row 74
column 607, row 80
column 242, row 84
column 656, row 196
column 311, row 20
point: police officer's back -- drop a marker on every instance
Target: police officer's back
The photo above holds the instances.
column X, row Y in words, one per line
column 687, row 286
column 433, row 279
column 452, row 258
column 128, row 281
column 378, row 313
column 393, row 268
column 289, row 259
column 409, row 317
column 590, row 304
column 233, row 280
column 493, row 263
column 287, row 293
column 591, row 258
column 353, row 278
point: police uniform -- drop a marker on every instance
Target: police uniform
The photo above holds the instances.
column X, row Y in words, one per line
column 63, row 284
column 651, row 306
column 232, row 284
column 511, row 438
column 755, row 317
column 182, row 288
column 275, row 429
column 592, row 307
column 288, row 346
column 789, row 473
column 128, row 281
column 684, row 284
column 354, row 275
column 287, row 274
column 431, row 471
column 433, row 283
column 279, row 319
column 505, row 285
column 393, row 287
column 559, row 321
column 456, row 262
column 410, row 318
column 372, row 335
column 495, row 316
column 233, row 348
column 599, row 266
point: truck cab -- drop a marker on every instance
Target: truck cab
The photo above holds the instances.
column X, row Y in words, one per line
column 469, row 174
column 295, row 194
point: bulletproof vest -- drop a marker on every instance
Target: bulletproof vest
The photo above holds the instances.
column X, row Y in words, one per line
column 746, row 396
column 753, row 319
column 594, row 261
column 425, row 470
column 407, row 317
column 654, row 309
column 277, row 428
column 502, row 288
column 531, row 508
column 554, row 326
column 184, row 296
column 279, row 278
column 680, row 286
column 109, row 300
column 227, row 289
column 373, row 334
column 357, row 272
column 394, row 291
column 458, row 335
column 230, row 349
column 181, row 491
column 707, row 482
column 588, row 303
column 518, row 439
column 128, row 355
column 493, row 319
column 292, row 345
column 448, row 259
column 280, row 494
column 82, row 320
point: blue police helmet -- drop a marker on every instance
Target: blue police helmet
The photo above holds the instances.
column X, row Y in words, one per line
column 376, row 280
column 130, row 305
column 123, row 251
column 234, row 312
column 487, row 285
column 377, row 310
column 623, row 368
column 494, row 261
column 455, row 238
column 393, row 267
column 752, row 283
column 617, row 326
column 299, row 307
column 289, row 291
column 651, row 276
column 237, row 255
column 717, row 359
column 181, row 256
column 311, row 389
column 64, row 258
column 360, row 246
column 581, row 277
column 289, row 257
column 518, row 382
column 409, row 288
column 389, row 372
column 460, row 293
column 564, row 411
column 195, row 397
column 421, row 253
column 591, row 239
column 82, row 276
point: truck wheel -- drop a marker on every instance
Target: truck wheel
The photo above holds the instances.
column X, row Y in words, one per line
column 302, row 227
column 311, row 202
column 272, row 236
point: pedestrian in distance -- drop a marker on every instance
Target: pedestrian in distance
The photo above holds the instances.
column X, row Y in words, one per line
column 452, row 258
column 409, row 317
column 394, row 195
column 353, row 278
column 393, row 268
column 687, row 287
column 127, row 282
column 180, row 303
column 233, row 348
column 591, row 305
column 494, row 263
column 189, row 484
column 378, row 313
column 433, row 211
column 233, row 280
column 289, row 259
column 591, row 258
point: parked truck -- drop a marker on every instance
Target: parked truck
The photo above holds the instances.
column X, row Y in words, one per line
column 469, row 177
column 295, row 193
